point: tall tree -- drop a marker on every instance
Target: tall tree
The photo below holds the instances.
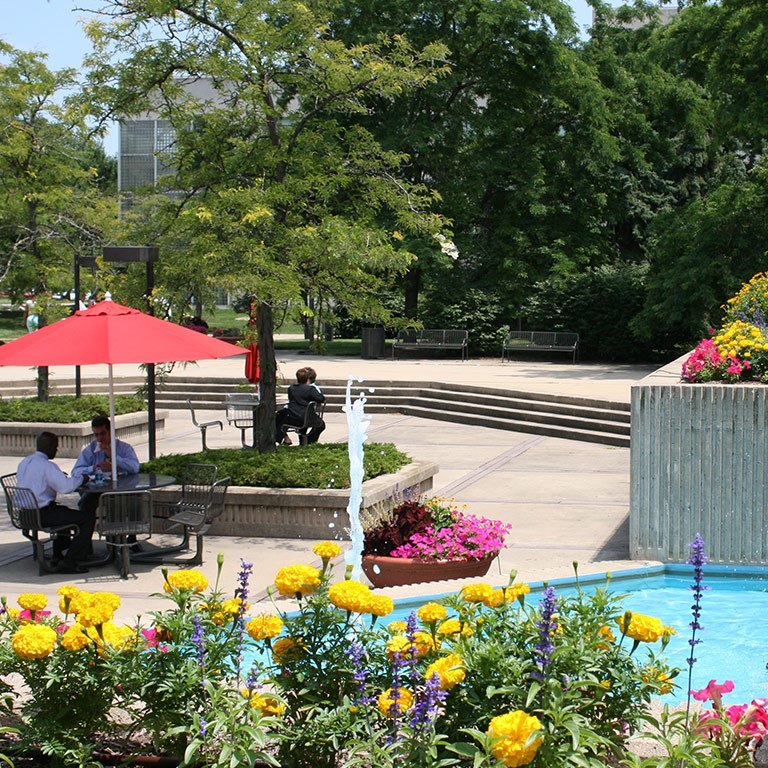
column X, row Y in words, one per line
column 51, row 206
column 280, row 190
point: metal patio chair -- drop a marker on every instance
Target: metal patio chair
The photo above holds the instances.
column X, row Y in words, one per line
column 24, row 513
column 123, row 514
column 201, row 501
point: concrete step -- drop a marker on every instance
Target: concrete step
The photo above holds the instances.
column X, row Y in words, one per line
column 516, row 425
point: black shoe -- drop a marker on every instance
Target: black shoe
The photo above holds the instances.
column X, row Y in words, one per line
column 67, row 566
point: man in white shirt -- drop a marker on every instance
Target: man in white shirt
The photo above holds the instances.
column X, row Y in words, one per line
column 45, row 479
column 98, row 455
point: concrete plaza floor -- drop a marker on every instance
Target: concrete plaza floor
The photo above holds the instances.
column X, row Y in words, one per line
column 566, row 500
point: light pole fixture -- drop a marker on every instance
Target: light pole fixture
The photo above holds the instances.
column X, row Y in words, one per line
column 145, row 254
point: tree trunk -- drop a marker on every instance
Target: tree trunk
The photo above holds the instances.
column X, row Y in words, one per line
column 412, row 286
column 264, row 423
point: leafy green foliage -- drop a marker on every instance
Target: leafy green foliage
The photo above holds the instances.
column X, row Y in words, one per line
column 67, row 409
column 304, row 466
column 51, row 170
column 599, row 304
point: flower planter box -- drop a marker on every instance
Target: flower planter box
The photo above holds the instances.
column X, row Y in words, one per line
column 307, row 513
column 17, row 438
column 699, row 457
column 385, row 571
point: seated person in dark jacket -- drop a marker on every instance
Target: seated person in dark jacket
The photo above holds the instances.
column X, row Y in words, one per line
column 300, row 395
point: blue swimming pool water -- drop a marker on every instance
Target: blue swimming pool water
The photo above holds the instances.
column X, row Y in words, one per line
column 734, row 641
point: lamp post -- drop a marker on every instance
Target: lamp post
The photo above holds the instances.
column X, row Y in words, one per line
column 80, row 261
column 146, row 254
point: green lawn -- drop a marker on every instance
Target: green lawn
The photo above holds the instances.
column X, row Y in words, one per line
column 11, row 325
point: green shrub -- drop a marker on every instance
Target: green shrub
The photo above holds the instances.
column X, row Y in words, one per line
column 310, row 466
column 598, row 304
column 67, row 409
column 478, row 311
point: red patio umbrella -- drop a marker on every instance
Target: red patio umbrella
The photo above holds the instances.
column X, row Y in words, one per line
column 109, row 333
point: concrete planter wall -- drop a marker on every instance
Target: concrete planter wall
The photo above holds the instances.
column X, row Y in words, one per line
column 17, row 438
column 308, row 513
column 699, row 457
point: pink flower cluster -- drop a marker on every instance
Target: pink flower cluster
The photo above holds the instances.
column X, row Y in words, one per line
column 706, row 363
column 468, row 538
column 747, row 720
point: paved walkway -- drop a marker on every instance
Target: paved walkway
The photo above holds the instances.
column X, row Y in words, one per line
column 566, row 500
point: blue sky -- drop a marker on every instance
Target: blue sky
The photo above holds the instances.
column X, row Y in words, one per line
column 53, row 26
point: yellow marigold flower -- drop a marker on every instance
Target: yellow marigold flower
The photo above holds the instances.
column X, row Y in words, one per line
column 33, row 601
column 669, row 630
column 391, row 703
column 33, row 641
column 662, row 679
column 397, row 627
column 79, row 600
column 495, row 598
column 476, row 593
column 513, row 731
column 268, row 705
column 295, row 580
column 67, row 593
column 455, row 627
column 327, row 550
column 232, row 606
column 109, row 599
column 75, row 639
column 116, row 636
column 432, row 612
column 193, row 581
column 646, row 629
column 264, row 626
column 449, row 668
column 13, row 612
column 606, row 636
column 422, row 644
column 399, row 644
column 518, row 590
column 286, row 649
column 425, row 643
column 94, row 613
column 380, row 605
column 351, row 596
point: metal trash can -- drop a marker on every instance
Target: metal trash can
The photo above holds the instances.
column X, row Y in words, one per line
column 373, row 342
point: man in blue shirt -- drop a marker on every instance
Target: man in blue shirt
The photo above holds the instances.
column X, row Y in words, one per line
column 45, row 479
column 98, row 455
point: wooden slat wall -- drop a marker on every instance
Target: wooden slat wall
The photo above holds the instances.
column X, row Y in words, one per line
column 698, row 464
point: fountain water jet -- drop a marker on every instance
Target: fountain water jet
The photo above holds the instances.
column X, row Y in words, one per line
column 357, row 426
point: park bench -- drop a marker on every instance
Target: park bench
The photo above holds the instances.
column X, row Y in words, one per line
column 540, row 341
column 432, row 338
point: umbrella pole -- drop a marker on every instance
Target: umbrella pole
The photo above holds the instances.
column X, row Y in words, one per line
column 113, row 426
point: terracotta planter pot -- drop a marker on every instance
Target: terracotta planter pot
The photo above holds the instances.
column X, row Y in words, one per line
column 385, row 571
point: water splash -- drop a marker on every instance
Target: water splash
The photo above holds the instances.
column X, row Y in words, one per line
column 357, row 425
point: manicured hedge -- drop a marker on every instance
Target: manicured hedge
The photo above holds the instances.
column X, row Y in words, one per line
column 67, row 409
column 311, row 466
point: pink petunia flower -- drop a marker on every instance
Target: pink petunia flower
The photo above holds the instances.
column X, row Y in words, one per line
column 714, row 692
